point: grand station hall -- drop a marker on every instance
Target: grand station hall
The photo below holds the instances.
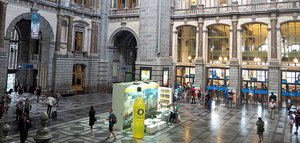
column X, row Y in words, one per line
column 157, row 71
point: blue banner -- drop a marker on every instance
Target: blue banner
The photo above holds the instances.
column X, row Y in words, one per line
column 35, row 25
column 216, row 88
column 293, row 94
column 255, row 91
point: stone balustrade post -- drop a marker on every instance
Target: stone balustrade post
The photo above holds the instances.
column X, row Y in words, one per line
column 5, row 130
column 43, row 134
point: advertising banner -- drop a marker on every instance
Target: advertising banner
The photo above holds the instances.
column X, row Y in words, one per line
column 165, row 77
column 35, row 25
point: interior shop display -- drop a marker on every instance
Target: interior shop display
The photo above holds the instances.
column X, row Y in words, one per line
column 138, row 118
column 165, row 98
column 125, row 94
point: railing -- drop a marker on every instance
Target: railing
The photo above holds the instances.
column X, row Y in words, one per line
column 124, row 11
column 81, row 7
column 239, row 8
column 79, row 54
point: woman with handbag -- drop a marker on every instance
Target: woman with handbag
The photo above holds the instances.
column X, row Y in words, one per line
column 92, row 119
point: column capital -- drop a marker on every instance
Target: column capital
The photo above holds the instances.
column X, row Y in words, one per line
column 200, row 20
column 3, row 3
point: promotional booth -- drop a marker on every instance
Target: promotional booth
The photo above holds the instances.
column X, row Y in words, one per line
column 135, row 105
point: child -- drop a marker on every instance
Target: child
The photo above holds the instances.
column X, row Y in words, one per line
column 292, row 120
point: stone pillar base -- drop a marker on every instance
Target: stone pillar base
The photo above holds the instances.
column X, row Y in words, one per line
column 200, row 77
column 275, row 81
column 235, row 78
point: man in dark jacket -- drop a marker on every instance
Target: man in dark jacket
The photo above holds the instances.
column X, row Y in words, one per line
column 23, row 127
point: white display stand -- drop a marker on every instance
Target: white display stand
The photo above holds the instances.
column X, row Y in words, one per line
column 165, row 98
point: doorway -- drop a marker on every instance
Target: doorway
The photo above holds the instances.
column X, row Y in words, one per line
column 78, row 77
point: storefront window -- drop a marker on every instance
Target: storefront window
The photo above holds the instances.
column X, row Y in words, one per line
column 254, row 86
column 291, row 83
column 255, row 44
column 186, row 43
column 290, row 43
column 218, row 77
column 185, row 75
column 218, row 43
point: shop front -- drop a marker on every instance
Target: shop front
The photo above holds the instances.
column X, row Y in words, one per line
column 218, row 81
column 185, row 74
column 290, row 86
column 254, row 86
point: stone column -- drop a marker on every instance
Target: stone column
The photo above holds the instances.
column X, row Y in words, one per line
column 3, row 6
column 70, row 36
column 126, row 3
column 58, row 33
column 274, row 71
column 234, row 70
column 200, row 37
column 171, row 38
column 273, row 37
column 200, row 78
column 234, row 37
column 94, row 38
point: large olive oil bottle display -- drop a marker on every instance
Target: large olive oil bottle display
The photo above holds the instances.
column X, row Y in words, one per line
column 138, row 118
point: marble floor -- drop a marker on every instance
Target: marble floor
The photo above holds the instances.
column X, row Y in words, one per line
column 220, row 125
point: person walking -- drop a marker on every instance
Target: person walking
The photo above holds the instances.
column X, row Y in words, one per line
column 226, row 98
column 230, row 98
column 23, row 127
column 272, row 106
column 2, row 107
column 260, row 129
column 273, row 97
column 38, row 92
column 20, row 90
column 50, row 103
column 111, row 119
column 291, row 120
column 193, row 95
column 199, row 97
column 289, row 104
column 57, row 97
column 92, row 119
column 27, row 107
column 297, row 121
column 19, row 109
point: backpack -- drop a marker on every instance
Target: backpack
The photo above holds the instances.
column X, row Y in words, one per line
column 114, row 119
column 261, row 129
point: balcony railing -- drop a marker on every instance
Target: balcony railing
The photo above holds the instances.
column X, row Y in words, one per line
column 124, row 11
column 238, row 8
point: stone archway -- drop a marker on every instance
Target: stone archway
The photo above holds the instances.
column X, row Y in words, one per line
column 123, row 50
column 45, row 44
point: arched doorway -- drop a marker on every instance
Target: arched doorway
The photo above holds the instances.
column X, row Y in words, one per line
column 78, row 77
column 123, row 56
column 26, row 56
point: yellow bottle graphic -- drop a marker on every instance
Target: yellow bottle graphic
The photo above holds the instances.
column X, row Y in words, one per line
column 138, row 118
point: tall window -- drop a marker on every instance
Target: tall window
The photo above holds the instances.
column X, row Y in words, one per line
column 186, row 43
column 78, row 41
column 256, row 1
column 219, row 3
column 255, row 46
column 290, row 42
column 82, row 2
column 193, row 3
column 121, row 4
column 132, row 3
column 218, row 43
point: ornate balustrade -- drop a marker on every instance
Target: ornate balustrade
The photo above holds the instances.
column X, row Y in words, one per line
column 124, row 11
column 238, row 8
